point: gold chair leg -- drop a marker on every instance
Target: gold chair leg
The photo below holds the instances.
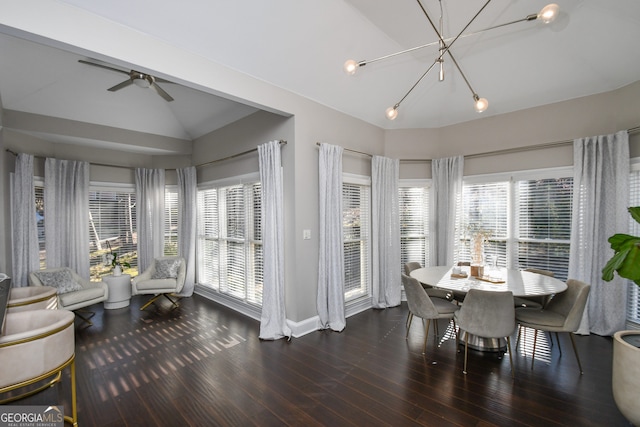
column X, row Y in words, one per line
column 533, row 355
column 151, row 301
column 513, row 375
column 409, row 320
column 426, row 336
column 175, row 303
column 73, row 419
column 575, row 350
column 85, row 318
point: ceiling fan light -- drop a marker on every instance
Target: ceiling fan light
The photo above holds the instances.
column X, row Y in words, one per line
column 142, row 81
column 549, row 13
column 481, row 104
column 392, row 112
column 350, row 67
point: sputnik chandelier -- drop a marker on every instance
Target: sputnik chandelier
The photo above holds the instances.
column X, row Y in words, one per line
column 546, row 15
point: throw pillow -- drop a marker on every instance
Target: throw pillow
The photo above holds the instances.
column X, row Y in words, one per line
column 62, row 280
column 166, row 269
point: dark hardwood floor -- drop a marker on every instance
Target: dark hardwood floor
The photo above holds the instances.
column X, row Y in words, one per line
column 203, row 365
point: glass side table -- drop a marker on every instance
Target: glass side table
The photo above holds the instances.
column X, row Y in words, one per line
column 119, row 291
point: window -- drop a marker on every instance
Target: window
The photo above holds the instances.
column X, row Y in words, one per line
column 414, row 222
column 230, row 256
column 528, row 216
column 356, row 225
column 633, row 298
column 39, row 194
column 543, row 215
column 170, row 221
column 112, row 223
column 484, row 207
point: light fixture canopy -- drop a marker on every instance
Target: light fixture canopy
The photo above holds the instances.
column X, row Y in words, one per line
column 547, row 14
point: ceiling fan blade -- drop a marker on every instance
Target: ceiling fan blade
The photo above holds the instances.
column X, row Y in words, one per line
column 120, row 85
column 82, row 61
column 161, row 92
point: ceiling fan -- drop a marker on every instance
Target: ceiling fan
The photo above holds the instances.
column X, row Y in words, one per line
column 135, row 77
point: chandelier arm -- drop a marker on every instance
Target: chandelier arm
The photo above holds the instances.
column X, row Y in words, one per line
column 445, row 50
column 463, row 75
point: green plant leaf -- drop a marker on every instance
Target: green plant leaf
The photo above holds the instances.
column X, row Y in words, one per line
column 613, row 264
column 635, row 213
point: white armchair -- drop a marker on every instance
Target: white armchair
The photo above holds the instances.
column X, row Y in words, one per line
column 74, row 292
column 37, row 345
column 164, row 277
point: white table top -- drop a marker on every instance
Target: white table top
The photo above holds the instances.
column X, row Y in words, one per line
column 521, row 283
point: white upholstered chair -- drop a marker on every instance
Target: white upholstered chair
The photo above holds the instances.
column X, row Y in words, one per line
column 164, row 277
column 74, row 292
column 35, row 347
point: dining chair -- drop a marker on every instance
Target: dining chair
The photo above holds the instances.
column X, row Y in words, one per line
column 431, row 291
column 562, row 314
column 486, row 314
column 534, row 302
column 421, row 305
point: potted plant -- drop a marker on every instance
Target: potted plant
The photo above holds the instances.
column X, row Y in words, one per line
column 626, row 344
column 112, row 259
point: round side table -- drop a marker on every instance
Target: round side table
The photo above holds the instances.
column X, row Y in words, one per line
column 119, row 291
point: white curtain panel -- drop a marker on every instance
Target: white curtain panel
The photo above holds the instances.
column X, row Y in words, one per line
column 66, row 224
column 600, row 201
column 149, row 215
column 273, row 320
column 187, row 217
column 330, row 302
column 446, row 190
column 24, row 228
column 386, row 271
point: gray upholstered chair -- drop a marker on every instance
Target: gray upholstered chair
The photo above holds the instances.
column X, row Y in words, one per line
column 74, row 292
column 421, row 305
column 36, row 346
column 164, row 277
column 487, row 314
column 431, row 291
column 562, row 314
column 533, row 302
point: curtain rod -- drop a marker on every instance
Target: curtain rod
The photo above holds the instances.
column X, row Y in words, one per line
column 282, row 142
column 352, row 151
column 517, row 149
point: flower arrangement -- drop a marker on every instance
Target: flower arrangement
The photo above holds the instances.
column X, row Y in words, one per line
column 479, row 237
column 111, row 259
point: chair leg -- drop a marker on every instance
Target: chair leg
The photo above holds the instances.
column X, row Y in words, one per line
column 557, row 339
column 513, row 375
column 466, row 345
column 86, row 317
column 174, row 302
column 151, row 301
column 575, row 350
column 426, row 336
column 409, row 320
column 533, row 354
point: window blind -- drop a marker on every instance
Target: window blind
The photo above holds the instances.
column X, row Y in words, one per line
column 414, row 225
column 230, row 256
column 484, row 207
column 39, row 195
column 543, row 217
column 112, row 222
column 356, row 206
column 633, row 299
column 170, row 221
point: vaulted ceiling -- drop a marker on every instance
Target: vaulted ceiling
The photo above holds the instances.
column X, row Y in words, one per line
column 302, row 45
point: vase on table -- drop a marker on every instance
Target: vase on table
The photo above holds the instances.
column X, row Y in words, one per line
column 117, row 270
column 477, row 255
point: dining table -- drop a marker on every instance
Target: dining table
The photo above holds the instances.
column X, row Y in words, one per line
column 520, row 283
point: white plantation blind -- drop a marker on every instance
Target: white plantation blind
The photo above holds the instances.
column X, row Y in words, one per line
column 356, row 224
column 633, row 300
column 112, row 219
column 229, row 241
column 484, row 207
column 543, row 218
column 414, row 224
column 170, row 221
column 39, row 194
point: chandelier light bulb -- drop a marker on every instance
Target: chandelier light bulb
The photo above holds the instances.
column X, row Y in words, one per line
column 481, row 104
column 392, row 113
column 350, row 67
column 549, row 13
